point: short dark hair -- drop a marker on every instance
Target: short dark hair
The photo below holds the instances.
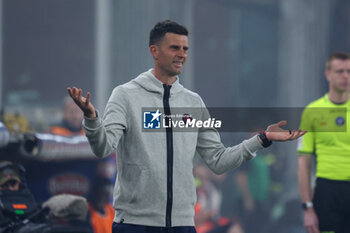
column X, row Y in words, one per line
column 161, row 28
column 337, row 55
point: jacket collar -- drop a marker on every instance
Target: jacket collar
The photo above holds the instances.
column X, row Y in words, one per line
column 149, row 82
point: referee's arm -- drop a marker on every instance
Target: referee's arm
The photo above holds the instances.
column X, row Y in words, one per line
column 304, row 173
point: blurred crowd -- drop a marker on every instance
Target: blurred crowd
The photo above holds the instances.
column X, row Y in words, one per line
column 19, row 211
column 246, row 200
column 49, row 180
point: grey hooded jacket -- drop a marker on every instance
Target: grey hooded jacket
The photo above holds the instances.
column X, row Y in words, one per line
column 155, row 184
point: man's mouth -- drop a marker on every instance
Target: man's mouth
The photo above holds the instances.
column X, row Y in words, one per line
column 178, row 64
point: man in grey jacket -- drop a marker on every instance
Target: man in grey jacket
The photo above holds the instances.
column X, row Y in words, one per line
column 155, row 189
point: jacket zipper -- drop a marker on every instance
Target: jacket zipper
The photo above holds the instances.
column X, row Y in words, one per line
column 170, row 152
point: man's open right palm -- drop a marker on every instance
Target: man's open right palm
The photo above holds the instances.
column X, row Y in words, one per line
column 83, row 103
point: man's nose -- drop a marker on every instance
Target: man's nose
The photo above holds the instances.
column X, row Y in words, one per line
column 182, row 53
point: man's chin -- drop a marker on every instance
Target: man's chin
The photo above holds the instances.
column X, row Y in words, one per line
column 174, row 73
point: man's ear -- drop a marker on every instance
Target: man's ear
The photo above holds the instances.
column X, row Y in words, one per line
column 154, row 49
column 326, row 74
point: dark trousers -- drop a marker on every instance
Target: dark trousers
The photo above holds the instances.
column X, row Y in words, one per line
column 332, row 205
column 130, row 228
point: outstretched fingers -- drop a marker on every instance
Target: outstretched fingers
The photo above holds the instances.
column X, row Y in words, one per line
column 279, row 134
column 76, row 95
column 282, row 123
column 296, row 134
column 301, row 132
column 70, row 91
column 87, row 99
column 73, row 92
column 83, row 102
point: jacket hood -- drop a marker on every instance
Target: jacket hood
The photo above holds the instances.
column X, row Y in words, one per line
column 149, row 82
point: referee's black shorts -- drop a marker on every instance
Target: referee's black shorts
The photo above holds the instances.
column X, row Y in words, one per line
column 332, row 205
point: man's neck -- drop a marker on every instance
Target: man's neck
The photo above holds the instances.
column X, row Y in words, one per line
column 338, row 97
column 168, row 80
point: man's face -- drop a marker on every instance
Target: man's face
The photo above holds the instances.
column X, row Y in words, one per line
column 170, row 56
column 338, row 75
column 11, row 185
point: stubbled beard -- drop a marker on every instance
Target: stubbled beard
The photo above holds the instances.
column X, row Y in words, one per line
column 170, row 72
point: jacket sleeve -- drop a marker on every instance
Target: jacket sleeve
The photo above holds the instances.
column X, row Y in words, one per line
column 105, row 133
column 218, row 157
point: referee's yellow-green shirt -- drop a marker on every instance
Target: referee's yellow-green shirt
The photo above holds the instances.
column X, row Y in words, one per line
column 328, row 137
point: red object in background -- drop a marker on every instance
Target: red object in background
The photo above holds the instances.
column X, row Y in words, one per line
column 19, row 206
